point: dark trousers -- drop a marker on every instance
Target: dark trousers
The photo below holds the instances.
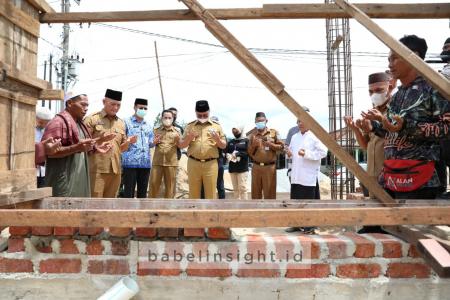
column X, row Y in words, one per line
column 423, row 193
column 299, row 191
column 40, row 182
column 132, row 177
column 441, row 170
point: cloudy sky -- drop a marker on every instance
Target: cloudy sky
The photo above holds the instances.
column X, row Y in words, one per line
column 194, row 65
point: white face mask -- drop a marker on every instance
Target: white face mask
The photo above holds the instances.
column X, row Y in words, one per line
column 378, row 99
column 167, row 122
column 203, row 120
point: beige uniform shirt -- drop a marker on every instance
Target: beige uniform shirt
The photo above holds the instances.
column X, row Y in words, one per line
column 375, row 154
column 258, row 152
column 203, row 146
column 109, row 162
column 166, row 151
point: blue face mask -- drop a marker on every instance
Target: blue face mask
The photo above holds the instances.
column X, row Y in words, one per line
column 260, row 125
column 141, row 113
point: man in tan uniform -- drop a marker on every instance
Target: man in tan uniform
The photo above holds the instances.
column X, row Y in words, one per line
column 263, row 146
column 105, row 169
column 165, row 162
column 203, row 137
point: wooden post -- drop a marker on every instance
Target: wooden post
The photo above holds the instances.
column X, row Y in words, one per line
column 434, row 78
column 277, row 88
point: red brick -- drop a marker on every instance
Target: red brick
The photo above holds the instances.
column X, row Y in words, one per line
column 336, row 247
column 90, row 230
column 408, row 270
column 41, row 231
column 358, row 270
column 158, row 268
column 8, row 265
column 283, row 247
column 308, row 271
column 94, row 248
column 68, row 247
column 193, row 232
column 208, row 269
column 258, row 270
column 16, row 245
column 310, row 247
column 145, row 232
column 43, row 248
column 392, row 248
column 19, row 230
column 257, row 246
column 120, row 231
column 218, row 233
column 364, row 247
column 56, row 266
column 65, row 231
column 120, row 247
column 413, row 252
column 171, row 248
column 168, row 232
column 109, row 267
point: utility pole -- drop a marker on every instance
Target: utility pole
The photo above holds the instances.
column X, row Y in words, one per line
column 65, row 8
column 159, row 76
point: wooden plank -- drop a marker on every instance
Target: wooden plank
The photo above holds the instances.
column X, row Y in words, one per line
column 276, row 87
column 438, row 257
column 41, row 5
column 195, row 218
column 51, row 95
column 19, row 17
column 442, row 231
column 24, row 78
column 24, row 196
column 19, row 97
column 437, row 80
column 17, row 180
column 268, row 11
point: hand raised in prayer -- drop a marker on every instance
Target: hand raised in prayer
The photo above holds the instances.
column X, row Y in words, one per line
column 157, row 139
column 192, row 135
column 373, row 115
column 288, row 151
column 132, row 139
column 103, row 148
column 51, row 146
column 395, row 126
column 85, row 145
column 364, row 124
column 349, row 122
column 105, row 137
column 301, row 152
column 215, row 136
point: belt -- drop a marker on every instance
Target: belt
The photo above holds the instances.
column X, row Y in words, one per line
column 202, row 160
column 264, row 164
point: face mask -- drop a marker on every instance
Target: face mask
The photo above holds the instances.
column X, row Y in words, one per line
column 167, row 122
column 378, row 99
column 260, row 125
column 445, row 56
column 141, row 113
column 203, row 120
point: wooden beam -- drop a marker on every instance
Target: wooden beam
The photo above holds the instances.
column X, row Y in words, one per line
column 25, row 196
column 22, row 77
column 436, row 255
column 438, row 81
column 276, row 87
column 268, row 11
column 41, row 5
column 19, row 17
column 19, row 97
column 196, row 218
column 51, row 95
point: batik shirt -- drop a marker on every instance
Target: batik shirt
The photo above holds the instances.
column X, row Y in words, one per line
column 138, row 154
column 426, row 115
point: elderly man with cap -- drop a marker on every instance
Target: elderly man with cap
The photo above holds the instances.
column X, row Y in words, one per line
column 204, row 138
column 43, row 116
column 136, row 161
column 380, row 88
column 105, row 169
column 67, row 170
column 238, row 162
column 445, row 56
column 264, row 143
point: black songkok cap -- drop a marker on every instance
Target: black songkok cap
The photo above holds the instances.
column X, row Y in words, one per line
column 201, row 106
column 114, row 95
column 447, row 41
column 260, row 114
column 379, row 77
column 140, row 101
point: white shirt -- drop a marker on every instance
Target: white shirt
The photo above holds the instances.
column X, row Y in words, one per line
column 38, row 133
column 305, row 170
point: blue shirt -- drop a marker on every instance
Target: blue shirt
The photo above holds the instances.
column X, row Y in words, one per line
column 138, row 154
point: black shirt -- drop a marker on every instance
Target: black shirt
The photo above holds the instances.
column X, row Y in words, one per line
column 241, row 146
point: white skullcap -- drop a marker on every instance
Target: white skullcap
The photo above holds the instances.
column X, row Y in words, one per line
column 239, row 127
column 72, row 94
column 43, row 113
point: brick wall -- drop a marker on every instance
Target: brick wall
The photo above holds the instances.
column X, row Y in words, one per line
column 118, row 251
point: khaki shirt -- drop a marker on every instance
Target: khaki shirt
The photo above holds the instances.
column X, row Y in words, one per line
column 203, row 146
column 375, row 154
column 166, row 151
column 258, row 152
column 109, row 162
